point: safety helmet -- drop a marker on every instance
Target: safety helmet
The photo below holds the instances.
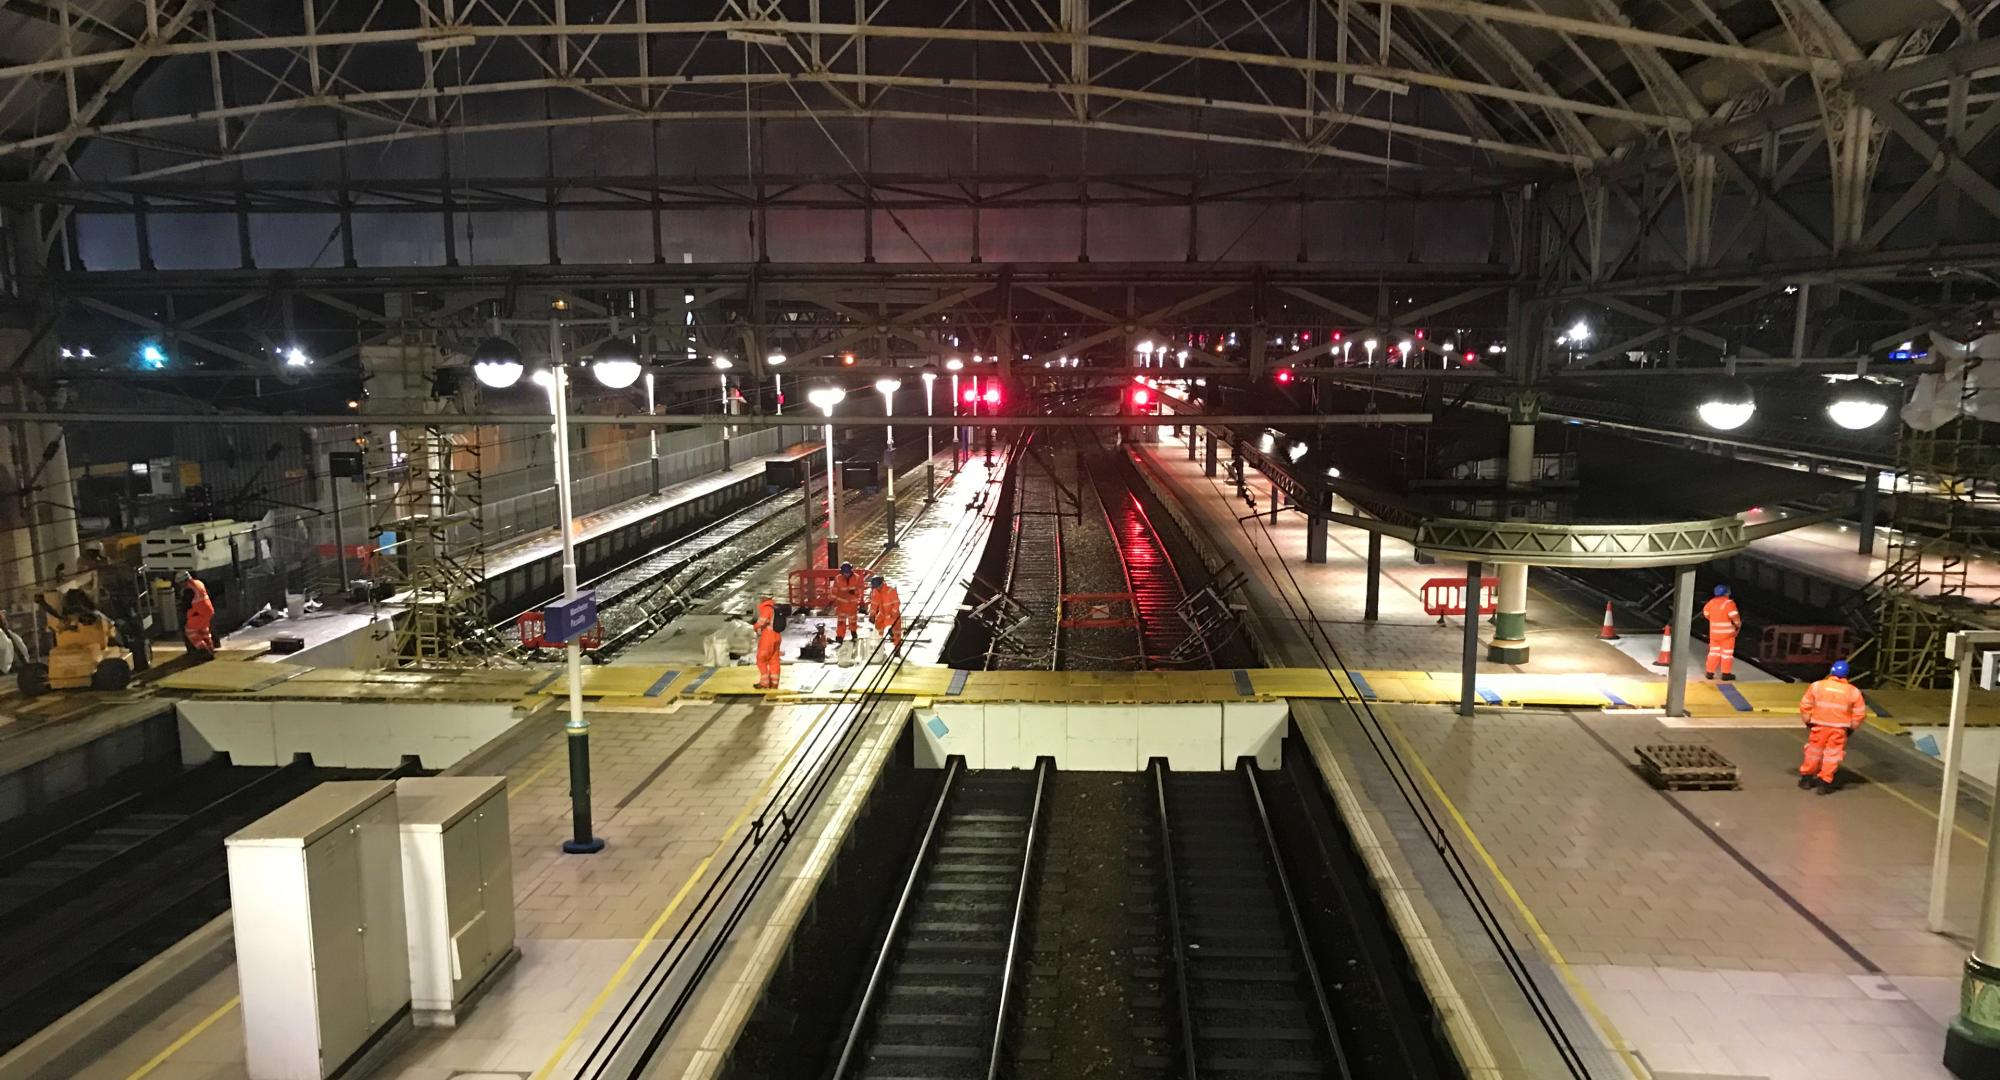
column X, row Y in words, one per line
column 182, row 577
column 1839, row 670
column 876, row 581
column 1722, row 590
column 847, row 568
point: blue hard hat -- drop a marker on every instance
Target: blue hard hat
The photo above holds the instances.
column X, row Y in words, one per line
column 1839, row 669
column 876, row 581
column 1722, row 590
column 847, row 568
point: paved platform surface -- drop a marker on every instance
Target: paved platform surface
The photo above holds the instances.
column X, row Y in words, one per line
column 1764, row 932
column 1831, row 550
column 1403, row 638
column 671, row 787
column 677, row 781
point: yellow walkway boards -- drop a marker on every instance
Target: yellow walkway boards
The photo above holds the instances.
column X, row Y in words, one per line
column 821, row 682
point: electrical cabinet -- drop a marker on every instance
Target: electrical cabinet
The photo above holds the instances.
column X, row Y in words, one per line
column 316, row 896
column 458, row 888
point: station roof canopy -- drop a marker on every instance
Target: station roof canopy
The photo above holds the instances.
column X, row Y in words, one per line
column 191, row 89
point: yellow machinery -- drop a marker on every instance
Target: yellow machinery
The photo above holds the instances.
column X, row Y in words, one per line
column 84, row 653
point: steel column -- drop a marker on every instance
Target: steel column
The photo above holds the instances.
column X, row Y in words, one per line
column 1677, row 665
column 1468, row 661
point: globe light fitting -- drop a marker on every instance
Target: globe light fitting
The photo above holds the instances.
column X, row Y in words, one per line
column 496, row 363
column 1727, row 405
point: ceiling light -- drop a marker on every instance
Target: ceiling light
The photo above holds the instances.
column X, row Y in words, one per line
column 496, row 363
column 1727, row 405
column 296, row 357
column 1857, row 405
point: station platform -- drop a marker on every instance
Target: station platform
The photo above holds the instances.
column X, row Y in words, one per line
column 1567, row 915
column 1831, row 550
column 684, row 786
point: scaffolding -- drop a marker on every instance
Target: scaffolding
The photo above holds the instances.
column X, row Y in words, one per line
column 426, row 512
column 1946, row 512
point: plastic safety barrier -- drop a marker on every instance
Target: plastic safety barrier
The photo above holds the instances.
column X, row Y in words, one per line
column 1446, row 596
column 529, row 625
column 1802, row 644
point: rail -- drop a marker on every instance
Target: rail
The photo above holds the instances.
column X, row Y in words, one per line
column 1177, row 937
column 742, row 871
column 1012, row 961
column 1296, row 922
column 1154, row 583
column 857, row 1034
column 58, row 891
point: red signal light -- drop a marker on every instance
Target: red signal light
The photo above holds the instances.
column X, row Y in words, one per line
column 992, row 395
column 1284, row 375
column 1141, row 395
column 971, row 396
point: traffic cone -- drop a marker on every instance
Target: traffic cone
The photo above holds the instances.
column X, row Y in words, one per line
column 1666, row 647
column 1607, row 632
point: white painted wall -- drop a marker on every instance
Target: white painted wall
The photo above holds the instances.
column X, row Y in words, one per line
column 341, row 735
column 1101, row 738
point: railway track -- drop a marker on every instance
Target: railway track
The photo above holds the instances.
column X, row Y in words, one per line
column 1150, row 575
column 1247, row 998
column 938, row 1000
column 1035, row 554
column 83, row 905
column 638, row 598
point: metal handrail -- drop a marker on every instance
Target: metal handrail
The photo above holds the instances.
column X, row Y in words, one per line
column 1332, row 1033
column 1179, row 942
column 858, row 1032
column 1013, row 958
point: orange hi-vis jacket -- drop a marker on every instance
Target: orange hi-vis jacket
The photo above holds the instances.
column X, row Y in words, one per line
column 1833, row 702
column 885, row 605
column 1723, row 618
column 200, row 607
column 847, row 592
column 767, row 614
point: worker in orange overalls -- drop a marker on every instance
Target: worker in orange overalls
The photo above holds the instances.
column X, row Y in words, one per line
column 1723, row 623
column 885, row 607
column 770, row 658
column 198, row 622
column 1832, row 708
column 847, row 586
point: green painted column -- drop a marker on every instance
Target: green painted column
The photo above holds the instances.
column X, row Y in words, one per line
column 1972, row 1043
column 1510, row 619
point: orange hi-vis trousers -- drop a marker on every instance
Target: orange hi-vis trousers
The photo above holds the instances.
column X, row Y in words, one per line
column 1826, row 748
column 769, row 664
column 1721, row 652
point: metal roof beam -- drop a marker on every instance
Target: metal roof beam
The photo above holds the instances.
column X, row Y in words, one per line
column 1625, row 34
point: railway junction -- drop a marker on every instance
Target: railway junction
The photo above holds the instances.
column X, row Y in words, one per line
column 1352, row 513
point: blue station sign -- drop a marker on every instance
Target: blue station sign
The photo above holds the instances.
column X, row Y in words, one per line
column 564, row 620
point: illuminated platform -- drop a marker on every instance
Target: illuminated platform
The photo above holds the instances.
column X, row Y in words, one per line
column 636, row 684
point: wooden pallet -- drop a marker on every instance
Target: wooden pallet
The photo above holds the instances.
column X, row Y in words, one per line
column 1687, row 767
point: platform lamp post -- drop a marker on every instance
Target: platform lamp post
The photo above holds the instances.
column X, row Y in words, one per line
column 824, row 398
column 955, row 365
column 930, row 434
column 777, row 359
column 497, row 364
column 887, row 387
